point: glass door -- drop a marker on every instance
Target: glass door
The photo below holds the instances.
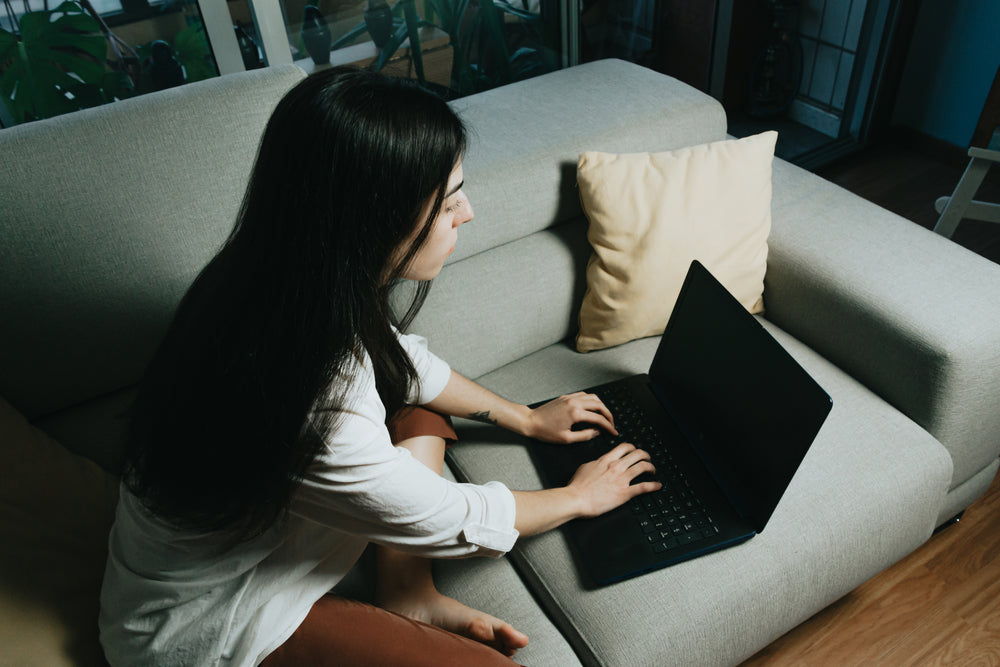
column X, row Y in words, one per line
column 808, row 69
column 455, row 47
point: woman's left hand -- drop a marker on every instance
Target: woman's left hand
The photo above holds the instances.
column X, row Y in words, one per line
column 554, row 421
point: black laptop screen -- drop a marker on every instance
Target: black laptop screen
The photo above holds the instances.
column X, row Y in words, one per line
column 749, row 410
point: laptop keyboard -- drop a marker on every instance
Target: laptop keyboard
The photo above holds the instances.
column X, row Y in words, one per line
column 674, row 515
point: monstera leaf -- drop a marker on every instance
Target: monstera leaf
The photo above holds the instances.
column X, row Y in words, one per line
column 193, row 52
column 55, row 66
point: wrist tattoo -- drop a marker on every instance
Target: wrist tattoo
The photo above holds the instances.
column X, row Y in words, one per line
column 483, row 416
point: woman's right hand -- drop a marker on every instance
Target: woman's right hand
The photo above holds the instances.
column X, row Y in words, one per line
column 605, row 483
column 595, row 488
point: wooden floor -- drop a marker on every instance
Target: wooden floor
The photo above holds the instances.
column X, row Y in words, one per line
column 906, row 178
column 938, row 606
column 941, row 604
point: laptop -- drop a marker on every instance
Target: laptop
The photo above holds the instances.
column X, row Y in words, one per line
column 727, row 416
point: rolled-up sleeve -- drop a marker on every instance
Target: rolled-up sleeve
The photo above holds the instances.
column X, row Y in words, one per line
column 383, row 494
column 433, row 371
column 362, row 485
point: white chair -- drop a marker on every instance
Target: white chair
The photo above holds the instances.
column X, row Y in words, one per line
column 961, row 203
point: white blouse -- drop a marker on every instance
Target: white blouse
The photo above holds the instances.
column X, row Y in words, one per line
column 175, row 598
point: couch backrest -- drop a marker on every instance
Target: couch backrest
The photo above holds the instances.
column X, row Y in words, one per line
column 107, row 216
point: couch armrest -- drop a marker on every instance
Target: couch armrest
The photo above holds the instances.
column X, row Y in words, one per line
column 910, row 314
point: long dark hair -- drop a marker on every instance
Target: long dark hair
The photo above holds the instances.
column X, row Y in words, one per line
column 254, row 368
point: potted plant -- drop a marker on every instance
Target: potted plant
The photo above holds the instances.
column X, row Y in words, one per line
column 55, row 60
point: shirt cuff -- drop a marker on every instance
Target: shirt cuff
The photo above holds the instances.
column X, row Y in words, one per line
column 499, row 536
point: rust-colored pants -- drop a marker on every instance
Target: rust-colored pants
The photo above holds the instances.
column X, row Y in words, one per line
column 414, row 420
column 346, row 633
column 343, row 632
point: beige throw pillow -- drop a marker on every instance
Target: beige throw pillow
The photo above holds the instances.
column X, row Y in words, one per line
column 650, row 214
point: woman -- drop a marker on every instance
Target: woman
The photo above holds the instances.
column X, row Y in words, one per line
column 260, row 464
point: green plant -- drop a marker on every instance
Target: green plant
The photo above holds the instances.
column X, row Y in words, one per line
column 191, row 44
column 56, row 62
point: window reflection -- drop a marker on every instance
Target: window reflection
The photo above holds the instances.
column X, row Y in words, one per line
column 453, row 46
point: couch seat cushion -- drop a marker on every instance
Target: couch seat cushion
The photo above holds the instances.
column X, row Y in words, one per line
column 867, row 494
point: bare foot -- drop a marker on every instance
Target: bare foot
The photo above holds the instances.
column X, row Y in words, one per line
column 449, row 614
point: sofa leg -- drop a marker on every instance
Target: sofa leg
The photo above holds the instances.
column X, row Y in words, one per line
column 950, row 522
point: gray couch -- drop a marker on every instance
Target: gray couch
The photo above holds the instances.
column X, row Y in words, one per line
column 108, row 214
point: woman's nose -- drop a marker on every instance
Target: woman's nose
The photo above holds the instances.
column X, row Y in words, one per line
column 465, row 213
